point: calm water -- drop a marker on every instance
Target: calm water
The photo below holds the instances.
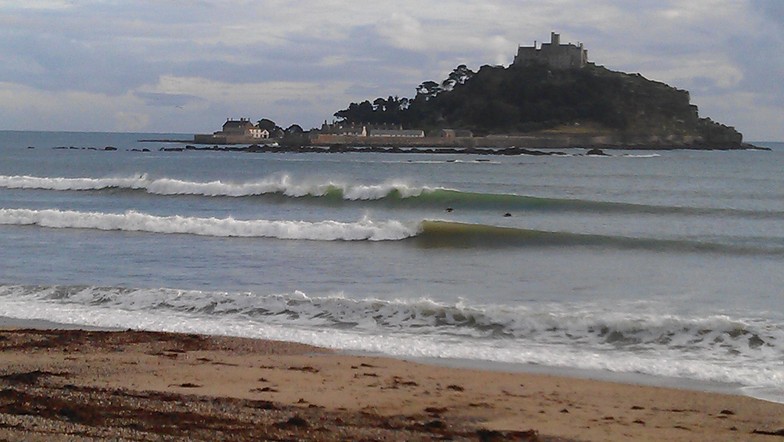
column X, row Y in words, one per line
column 663, row 263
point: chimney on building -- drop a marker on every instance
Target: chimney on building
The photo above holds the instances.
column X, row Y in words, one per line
column 555, row 39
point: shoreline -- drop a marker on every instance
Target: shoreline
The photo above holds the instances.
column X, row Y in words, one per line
column 502, row 144
column 311, row 393
column 426, row 149
column 627, row 378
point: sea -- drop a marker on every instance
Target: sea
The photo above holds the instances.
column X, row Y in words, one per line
column 638, row 265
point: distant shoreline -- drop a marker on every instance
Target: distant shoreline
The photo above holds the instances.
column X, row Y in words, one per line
column 416, row 149
column 475, row 146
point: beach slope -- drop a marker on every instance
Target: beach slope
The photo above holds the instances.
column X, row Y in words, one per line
column 131, row 385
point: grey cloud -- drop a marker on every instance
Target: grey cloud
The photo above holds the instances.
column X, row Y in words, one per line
column 756, row 52
column 293, row 102
column 114, row 48
column 53, row 62
column 773, row 10
column 167, row 100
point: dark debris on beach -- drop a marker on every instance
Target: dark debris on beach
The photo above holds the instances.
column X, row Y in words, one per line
column 56, row 405
column 31, row 406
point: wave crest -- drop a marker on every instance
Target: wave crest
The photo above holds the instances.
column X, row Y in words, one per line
column 395, row 192
column 278, row 184
column 426, row 233
column 715, row 348
column 576, row 325
column 132, row 221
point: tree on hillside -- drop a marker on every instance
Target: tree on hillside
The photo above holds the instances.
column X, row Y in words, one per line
column 428, row 90
column 459, row 75
column 520, row 99
column 356, row 113
column 294, row 129
column 267, row 124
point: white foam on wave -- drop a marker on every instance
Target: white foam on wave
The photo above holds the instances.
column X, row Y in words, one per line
column 277, row 184
column 716, row 349
column 31, row 182
column 648, row 155
column 133, row 221
column 449, row 161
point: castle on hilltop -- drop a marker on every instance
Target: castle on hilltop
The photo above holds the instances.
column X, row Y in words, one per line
column 553, row 54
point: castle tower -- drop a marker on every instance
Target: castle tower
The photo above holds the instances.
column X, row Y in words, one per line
column 553, row 54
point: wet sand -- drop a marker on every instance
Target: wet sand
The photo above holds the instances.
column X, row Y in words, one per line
column 129, row 385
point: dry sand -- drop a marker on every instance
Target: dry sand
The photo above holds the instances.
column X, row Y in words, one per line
column 86, row 385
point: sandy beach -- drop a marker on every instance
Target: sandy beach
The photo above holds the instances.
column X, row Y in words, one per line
column 130, row 385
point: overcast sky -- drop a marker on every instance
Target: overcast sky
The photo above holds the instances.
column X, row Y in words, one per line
column 187, row 65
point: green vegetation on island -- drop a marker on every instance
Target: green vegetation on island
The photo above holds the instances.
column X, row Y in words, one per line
column 535, row 98
column 550, row 93
column 551, row 96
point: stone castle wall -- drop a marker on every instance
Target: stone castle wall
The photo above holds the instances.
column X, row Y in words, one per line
column 553, row 54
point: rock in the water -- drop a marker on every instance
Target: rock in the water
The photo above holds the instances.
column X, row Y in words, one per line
column 596, row 151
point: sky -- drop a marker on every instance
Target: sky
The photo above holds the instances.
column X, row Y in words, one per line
column 184, row 66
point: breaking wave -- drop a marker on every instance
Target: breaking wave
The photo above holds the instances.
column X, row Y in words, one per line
column 274, row 185
column 426, row 233
column 132, row 221
column 715, row 347
column 395, row 193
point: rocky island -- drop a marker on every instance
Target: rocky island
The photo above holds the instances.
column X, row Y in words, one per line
column 550, row 97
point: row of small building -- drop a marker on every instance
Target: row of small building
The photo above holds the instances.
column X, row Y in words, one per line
column 369, row 130
column 386, row 131
column 244, row 131
column 553, row 54
column 235, row 132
